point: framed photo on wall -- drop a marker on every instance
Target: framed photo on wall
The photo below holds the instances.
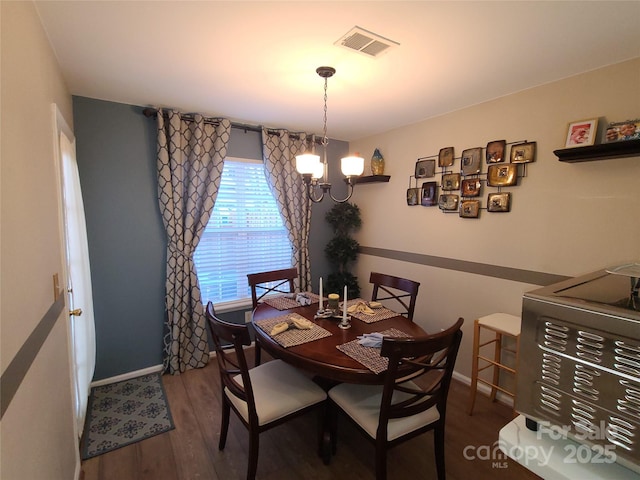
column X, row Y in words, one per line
column 429, row 190
column 445, row 157
column 499, row 202
column 581, row 133
column 425, row 168
column 471, row 163
column 413, row 196
column 523, row 152
column 502, row 175
column 621, row 131
column 451, row 181
column 495, row 151
column 470, row 208
column 471, row 187
column 448, row 201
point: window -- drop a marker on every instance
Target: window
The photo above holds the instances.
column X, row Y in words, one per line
column 245, row 234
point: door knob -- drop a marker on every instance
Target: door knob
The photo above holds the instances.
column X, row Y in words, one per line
column 75, row 313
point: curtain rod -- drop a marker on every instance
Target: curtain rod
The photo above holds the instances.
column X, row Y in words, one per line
column 152, row 112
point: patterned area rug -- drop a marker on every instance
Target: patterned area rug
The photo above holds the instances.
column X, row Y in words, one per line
column 123, row 413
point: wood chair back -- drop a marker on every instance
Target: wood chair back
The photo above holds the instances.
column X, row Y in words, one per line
column 274, row 281
column 229, row 365
column 401, row 290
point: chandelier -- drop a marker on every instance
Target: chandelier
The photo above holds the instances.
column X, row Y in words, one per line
column 314, row 172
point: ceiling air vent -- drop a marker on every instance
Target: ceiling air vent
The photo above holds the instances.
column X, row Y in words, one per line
column 365, row 42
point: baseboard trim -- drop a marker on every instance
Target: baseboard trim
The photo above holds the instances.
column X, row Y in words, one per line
column 485, row 389
column 139, row 373
column 127, row 376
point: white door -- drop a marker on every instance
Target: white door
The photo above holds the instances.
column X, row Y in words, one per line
column 77, row 275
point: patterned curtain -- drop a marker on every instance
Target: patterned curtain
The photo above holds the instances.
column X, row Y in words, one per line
column 190, row 160
column 279, row 152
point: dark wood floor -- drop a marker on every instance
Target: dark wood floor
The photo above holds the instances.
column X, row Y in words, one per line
column 289, row 451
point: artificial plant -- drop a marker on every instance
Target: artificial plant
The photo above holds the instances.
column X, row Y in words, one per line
column 341, row 250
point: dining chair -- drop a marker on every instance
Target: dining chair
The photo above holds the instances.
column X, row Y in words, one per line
column 401, row 290
column 262, row 397
column 412, row 400
column 264, row 283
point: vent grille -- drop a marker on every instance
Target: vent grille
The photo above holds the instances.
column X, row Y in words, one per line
column 365, row 42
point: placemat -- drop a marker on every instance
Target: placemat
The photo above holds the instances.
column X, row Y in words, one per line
column 380, row 313
column 292, row 336
column 370, row 356
column 285, row 302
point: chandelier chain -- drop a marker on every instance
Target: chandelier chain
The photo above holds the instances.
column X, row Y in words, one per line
column 325, row 139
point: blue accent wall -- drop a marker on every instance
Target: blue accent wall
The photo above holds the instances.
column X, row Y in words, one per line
column 116, row 151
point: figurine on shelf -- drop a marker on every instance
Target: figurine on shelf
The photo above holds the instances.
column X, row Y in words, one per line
column 377, row 163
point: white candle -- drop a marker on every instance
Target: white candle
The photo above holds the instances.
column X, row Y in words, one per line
column 321, row 293
column 344, row 305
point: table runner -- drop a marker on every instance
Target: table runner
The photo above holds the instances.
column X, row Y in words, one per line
column 380, row 313
column 370, row 356
column 292, row 336
column 285, row 302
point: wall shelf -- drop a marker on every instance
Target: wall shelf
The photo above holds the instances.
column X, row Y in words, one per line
column 604, row 151
column 373, row 178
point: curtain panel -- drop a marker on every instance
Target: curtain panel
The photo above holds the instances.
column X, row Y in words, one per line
column 191, row 153
column 279, row 151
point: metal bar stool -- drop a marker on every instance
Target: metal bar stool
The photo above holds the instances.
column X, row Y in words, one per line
column 501, row 324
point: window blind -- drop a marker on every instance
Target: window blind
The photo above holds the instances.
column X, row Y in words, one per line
column 245, row 234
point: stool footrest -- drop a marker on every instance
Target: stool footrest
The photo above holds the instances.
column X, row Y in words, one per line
column 497, row 387
column 496, row 364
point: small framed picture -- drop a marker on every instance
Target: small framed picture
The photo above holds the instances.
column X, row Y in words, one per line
column 495, row 151
column 499, row 202
column 451, row 181
column 471, row 187
column 425, row 168
column 429, row 190
column 581, row 133
column 445, row 157
column 470, row 208
column 621, row 131
column 413, row 196
column 470, row 163
column 448, row 201
column 502, row 175
column 523, row 152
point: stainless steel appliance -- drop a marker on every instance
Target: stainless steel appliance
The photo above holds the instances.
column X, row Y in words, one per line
column 579, row 366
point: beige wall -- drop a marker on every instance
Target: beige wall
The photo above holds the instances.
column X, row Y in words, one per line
column 566, row 219
column 37, row 428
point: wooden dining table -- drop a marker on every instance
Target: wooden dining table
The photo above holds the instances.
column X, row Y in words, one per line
column 321, row 356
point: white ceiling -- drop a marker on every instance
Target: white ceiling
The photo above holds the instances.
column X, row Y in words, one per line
column 255, row 62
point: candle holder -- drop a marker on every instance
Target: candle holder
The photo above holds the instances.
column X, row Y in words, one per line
column 345, row 323
column 324, row 313
column 332, row 303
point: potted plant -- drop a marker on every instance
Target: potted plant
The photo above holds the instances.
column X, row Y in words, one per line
column 341, row 250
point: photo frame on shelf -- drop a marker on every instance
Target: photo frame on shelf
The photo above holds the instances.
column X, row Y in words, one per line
column 524, row 152
column 499, row 202
column 470, row 163
column 425, row 168
column 621, row 131
column 581, row 133
column 502, row 175
column 413, row 196
column 448, row 201
column 450, row 181
column 470, row 208
column 445, row 157
column 429, row 190
column 471, row 187
column 495, row 151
